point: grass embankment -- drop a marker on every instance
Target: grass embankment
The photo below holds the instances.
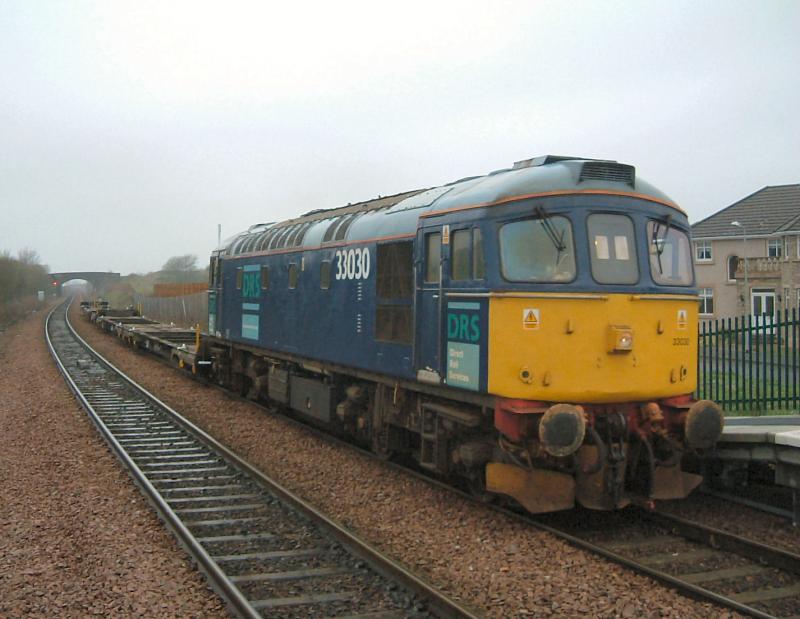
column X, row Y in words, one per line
column 16, row 309
column 742, row 395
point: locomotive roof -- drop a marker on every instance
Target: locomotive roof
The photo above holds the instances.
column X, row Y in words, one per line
column 398, row 215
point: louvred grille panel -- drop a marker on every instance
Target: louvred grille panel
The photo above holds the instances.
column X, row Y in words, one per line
column 609, row 172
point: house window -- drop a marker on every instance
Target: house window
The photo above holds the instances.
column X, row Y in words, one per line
column 292, row 276
column 798, row 298
column 264, row 277
column 733, row 263
column 706, row 300
column 775, row 248
column 787, row 297
column 239, row 276
column 702, row 251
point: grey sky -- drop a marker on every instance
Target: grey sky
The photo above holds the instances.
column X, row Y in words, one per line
column 128, row 131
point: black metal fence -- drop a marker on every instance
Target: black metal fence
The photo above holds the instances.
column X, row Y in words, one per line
column 751, row 363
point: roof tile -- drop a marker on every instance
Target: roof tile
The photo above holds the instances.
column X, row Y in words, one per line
column 767, row 211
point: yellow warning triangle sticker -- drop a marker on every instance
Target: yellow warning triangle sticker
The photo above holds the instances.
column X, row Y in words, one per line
column 530, row 319
column 682, row 319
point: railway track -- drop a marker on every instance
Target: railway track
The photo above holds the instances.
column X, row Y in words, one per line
column 787, row 505
column 263, row 549
column 704, row 563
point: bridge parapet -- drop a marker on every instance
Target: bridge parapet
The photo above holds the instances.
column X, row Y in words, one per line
column 95, row 278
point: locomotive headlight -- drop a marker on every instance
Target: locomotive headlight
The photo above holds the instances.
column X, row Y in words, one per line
column 561, row 429
column 620, row 339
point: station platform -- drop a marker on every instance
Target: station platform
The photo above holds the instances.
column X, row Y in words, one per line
column 777, row 430
column 771, row 440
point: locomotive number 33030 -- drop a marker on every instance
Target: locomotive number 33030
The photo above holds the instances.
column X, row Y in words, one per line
column 352, row 263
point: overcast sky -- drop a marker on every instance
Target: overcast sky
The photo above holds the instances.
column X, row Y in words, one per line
column 129, row 130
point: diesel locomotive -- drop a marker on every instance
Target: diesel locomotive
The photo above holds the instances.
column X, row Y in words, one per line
column 531, row 333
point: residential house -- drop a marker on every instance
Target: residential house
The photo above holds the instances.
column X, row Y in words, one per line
column 747, row 256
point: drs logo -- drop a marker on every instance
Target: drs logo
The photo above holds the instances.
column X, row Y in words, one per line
column 352, row 263
column 464, row 327
column 251, row 284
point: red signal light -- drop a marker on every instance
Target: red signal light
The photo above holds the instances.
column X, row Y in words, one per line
column 55, row 283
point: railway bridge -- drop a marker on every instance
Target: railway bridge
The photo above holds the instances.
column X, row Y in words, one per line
column 97, row 279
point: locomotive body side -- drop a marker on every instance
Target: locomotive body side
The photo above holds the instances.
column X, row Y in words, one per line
column 533, row 332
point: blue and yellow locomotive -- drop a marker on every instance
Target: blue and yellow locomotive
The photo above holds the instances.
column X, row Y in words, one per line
column 532, row 332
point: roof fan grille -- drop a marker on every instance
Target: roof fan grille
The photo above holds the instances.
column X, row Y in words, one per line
column 609, row 172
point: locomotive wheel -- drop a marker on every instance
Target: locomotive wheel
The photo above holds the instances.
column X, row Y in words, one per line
column 476, row 485
column 379, row 444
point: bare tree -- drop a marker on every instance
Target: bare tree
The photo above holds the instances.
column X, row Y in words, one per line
column 184, row 263
column 180, row 269
column 20, row 279
column 28, row 256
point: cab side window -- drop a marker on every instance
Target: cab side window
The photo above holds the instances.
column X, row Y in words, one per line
column 433, row 257
column 466, row 255
column 460, row 249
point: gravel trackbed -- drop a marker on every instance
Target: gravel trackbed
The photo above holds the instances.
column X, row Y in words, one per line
column 77, row 539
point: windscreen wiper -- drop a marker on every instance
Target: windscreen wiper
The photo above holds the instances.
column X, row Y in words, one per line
column 554, row 235
column 662, row 242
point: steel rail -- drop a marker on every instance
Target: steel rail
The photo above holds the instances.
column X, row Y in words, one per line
column 776, row 557
column 435, row 600
column 218, row 579
column 701, row 533
column 714, row 538
column 767, row 508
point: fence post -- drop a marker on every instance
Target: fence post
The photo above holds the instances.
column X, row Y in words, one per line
column 738, row 366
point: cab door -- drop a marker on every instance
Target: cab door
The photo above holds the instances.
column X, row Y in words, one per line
column 464, row 309
column 432, row 243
